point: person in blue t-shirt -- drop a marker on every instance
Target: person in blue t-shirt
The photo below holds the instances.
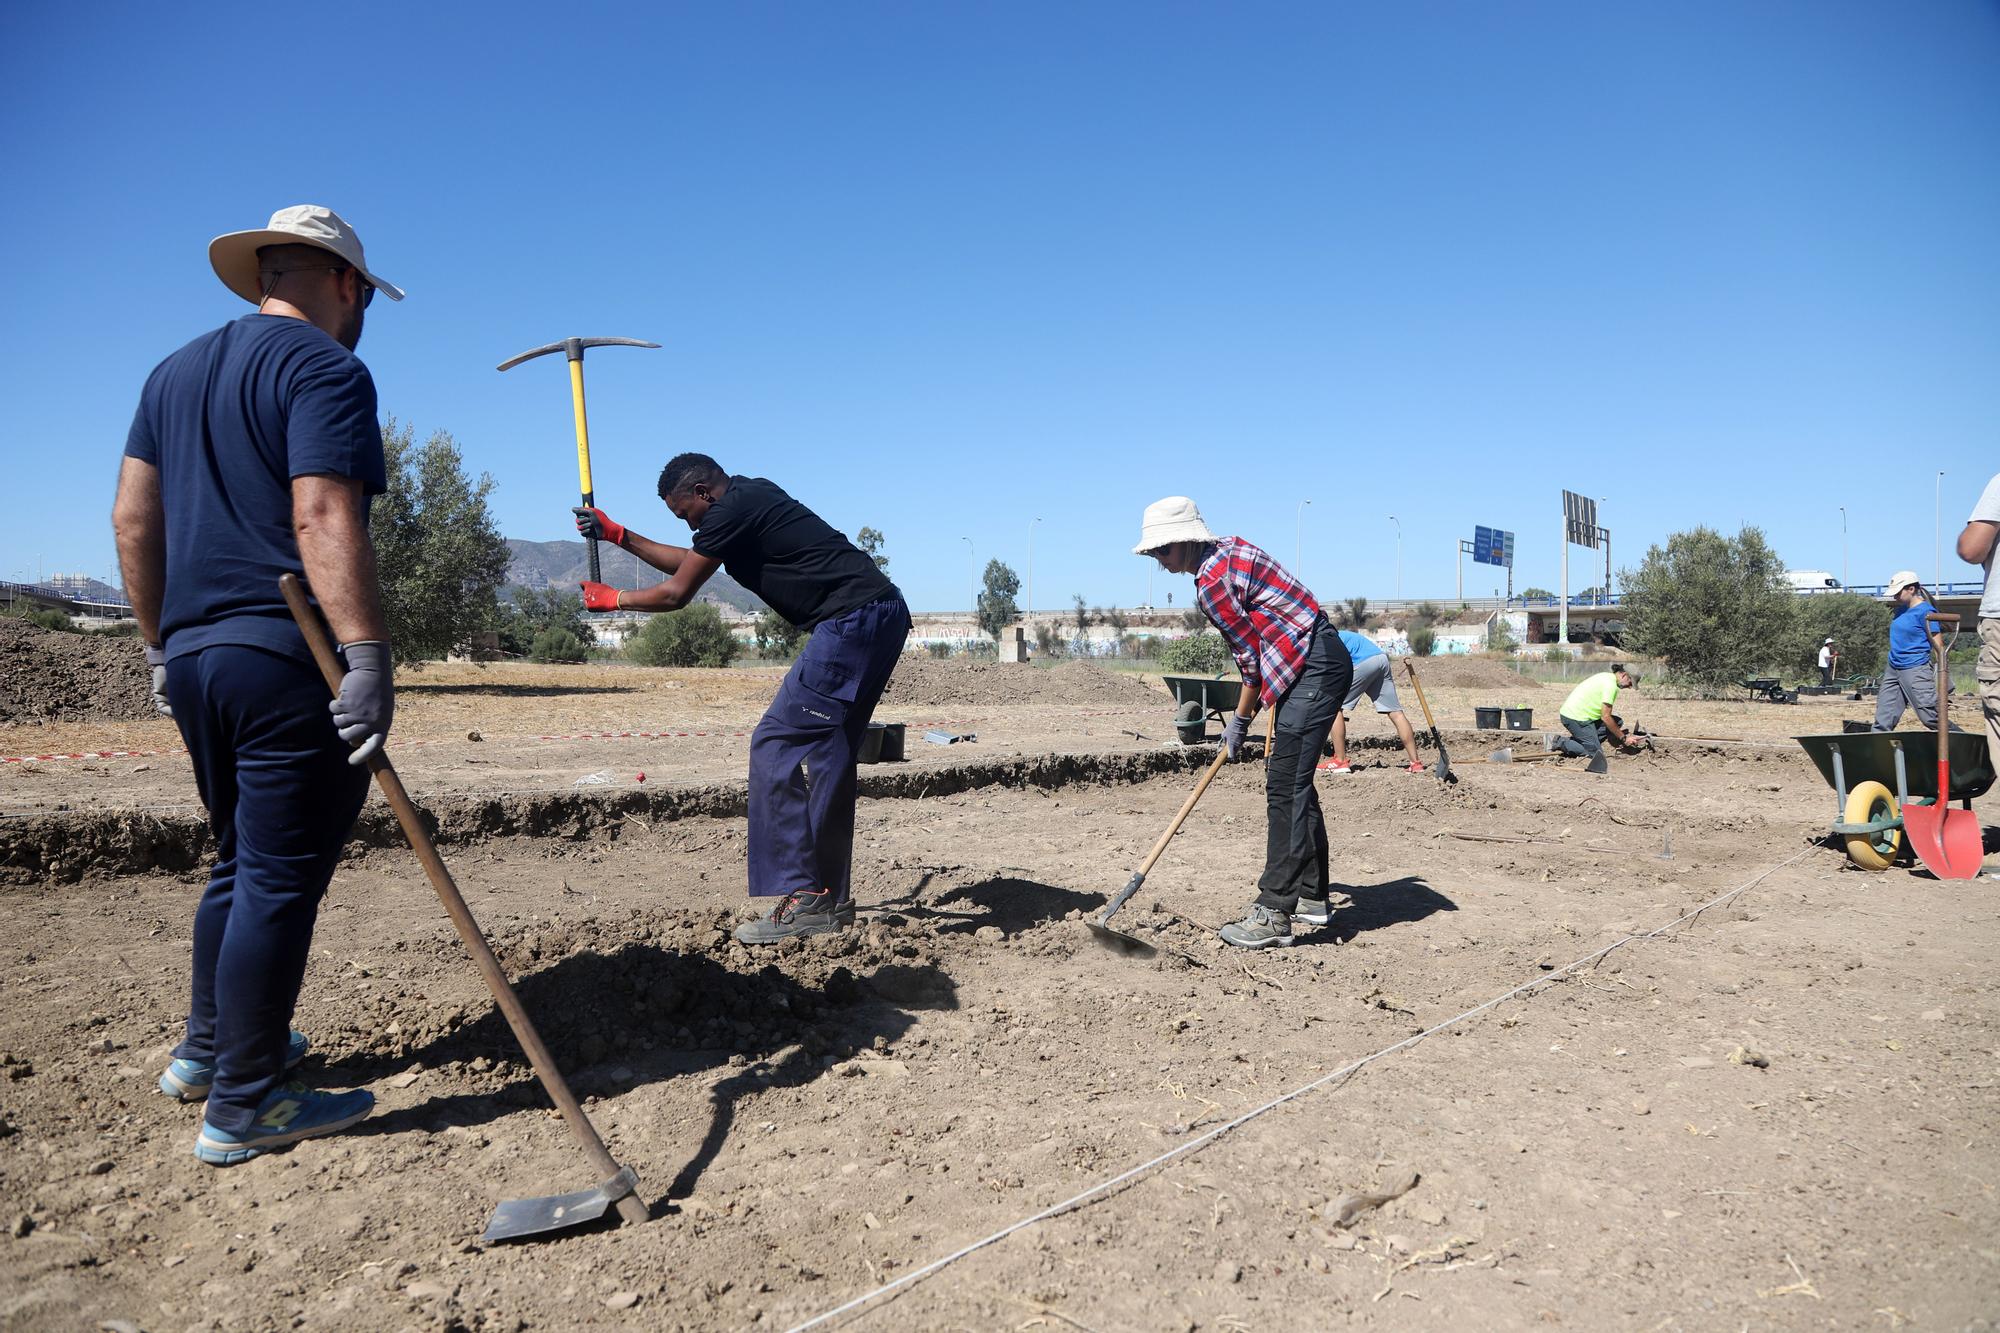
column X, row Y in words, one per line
column 253, row 454
column 1910, row 680
column 1372, row 679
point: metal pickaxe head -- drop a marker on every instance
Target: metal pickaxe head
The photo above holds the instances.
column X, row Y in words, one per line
column 573, row 346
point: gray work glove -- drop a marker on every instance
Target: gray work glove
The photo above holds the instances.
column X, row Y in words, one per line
column 156, row 658
column 1233, row 731
column 367, row 698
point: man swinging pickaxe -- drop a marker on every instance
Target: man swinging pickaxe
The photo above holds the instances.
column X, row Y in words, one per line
column 575, row 346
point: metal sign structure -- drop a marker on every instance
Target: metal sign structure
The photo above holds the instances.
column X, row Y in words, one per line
column 1579, row 520
column 1580, row 529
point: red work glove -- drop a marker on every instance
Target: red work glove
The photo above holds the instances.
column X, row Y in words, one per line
column 599, row 596
column 598, row 525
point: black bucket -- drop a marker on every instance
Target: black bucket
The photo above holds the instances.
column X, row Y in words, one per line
column 882, row 745
column 1486, row 719
column 1520, row 719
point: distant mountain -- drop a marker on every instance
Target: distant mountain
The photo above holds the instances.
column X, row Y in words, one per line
column 566, row 564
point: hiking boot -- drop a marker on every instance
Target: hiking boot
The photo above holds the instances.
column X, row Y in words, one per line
column 190, row 1080
column 1264, row 928
column 798, row 914
column 1313, row 911
column 288, row 1114
column 1335, row 766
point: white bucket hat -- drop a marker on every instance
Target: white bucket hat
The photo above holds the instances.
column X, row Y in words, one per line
column 1901, row 581
column 234, row 256
column 1174, row 519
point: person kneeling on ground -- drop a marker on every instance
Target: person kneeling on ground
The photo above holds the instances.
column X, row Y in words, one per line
column 1290, row 659
column 1371, row 678
column 801, row 833
column 1586, row 714
column 1910, row 681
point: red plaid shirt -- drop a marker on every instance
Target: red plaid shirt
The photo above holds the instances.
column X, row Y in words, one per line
column 1266, row 615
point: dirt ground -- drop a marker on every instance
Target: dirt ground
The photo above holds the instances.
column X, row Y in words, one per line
column 1779, row 1114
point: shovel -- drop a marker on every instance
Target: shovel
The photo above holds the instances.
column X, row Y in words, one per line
column 1131, row 945
column 1443, row 766
column 514, row 1218
column 1948, row 840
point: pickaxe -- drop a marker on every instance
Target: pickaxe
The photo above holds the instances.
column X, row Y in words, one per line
column 574, row 347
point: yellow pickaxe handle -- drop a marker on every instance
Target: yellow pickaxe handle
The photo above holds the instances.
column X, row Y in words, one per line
column 574, row 348
column 582, row 429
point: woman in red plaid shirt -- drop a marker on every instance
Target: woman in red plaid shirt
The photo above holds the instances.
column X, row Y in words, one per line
column 1290, row 659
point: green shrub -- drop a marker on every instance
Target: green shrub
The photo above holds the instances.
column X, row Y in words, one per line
column 556, row 645
column 46, row 618
column 1201, row 654
column 938, row 649
column 1423, row 640
column 691, row 636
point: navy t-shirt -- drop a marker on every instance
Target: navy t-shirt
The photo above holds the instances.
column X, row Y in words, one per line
column 229, row 420
column 787, row 554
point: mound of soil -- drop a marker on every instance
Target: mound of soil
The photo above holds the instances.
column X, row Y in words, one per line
column 48, row 675
column 937, row 682
column 1471, row 673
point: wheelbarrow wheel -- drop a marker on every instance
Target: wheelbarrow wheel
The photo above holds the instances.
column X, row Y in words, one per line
column 1866, row 803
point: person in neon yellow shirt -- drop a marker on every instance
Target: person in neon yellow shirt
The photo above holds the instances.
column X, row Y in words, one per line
column 1587, row 714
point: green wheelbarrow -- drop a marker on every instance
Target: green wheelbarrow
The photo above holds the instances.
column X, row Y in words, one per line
column 1874, row 774
column 1199, row 698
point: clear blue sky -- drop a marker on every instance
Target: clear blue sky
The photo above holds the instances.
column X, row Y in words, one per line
column 941, row 268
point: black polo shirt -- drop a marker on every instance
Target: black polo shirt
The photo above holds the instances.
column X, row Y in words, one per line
column 787, row 554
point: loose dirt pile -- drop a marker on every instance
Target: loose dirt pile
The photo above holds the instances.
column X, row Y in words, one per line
column 46, row 675
column 1471, row 673
column 934, row 682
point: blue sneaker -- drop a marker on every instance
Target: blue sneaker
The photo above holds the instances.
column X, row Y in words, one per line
column 290, row 1113
column 190, row 1080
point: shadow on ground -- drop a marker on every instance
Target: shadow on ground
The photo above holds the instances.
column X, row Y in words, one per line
column 643, row 1014
column 1014, row 905
column 1378, row 906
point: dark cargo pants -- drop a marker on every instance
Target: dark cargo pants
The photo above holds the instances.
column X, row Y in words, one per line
column 1295, row 848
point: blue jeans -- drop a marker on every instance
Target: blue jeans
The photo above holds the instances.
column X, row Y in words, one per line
column 802, row 755
column 281, row 798
column 1585, row 738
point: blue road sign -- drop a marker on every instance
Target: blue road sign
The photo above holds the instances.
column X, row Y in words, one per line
column 1491, row 546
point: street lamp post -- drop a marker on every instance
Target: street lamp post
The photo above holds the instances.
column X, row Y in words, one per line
column 1031, row 568
column 1399, row 555
column 1937, row 534
column 1843, row 546
column 1299, row 537
column 972, row 572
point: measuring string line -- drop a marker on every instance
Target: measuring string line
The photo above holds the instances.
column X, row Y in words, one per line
column 1106, row 1187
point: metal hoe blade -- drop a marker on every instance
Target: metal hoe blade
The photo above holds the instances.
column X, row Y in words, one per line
column 517, row 1218
column 1129, row 946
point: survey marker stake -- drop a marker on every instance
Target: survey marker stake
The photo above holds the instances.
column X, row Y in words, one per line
column 514, row 1219
column 575, row 347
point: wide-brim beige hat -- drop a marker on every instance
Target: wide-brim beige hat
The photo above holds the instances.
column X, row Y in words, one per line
column 1901, row 581
column 234, row 256
column 1174, row 519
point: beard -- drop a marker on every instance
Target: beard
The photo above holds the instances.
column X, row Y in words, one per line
column 349, row 333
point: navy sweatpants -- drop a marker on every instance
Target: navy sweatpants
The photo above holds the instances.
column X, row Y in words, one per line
column 281, row 798
column 802, row 820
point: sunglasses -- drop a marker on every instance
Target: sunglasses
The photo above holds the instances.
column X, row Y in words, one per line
column 367, row 287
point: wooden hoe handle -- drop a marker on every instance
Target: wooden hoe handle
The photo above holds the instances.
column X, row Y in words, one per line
column 630, row 1207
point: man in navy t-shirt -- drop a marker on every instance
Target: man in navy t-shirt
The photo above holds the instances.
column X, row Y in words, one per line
column 253, row 454
column 1910, row 680
column 801, row 831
